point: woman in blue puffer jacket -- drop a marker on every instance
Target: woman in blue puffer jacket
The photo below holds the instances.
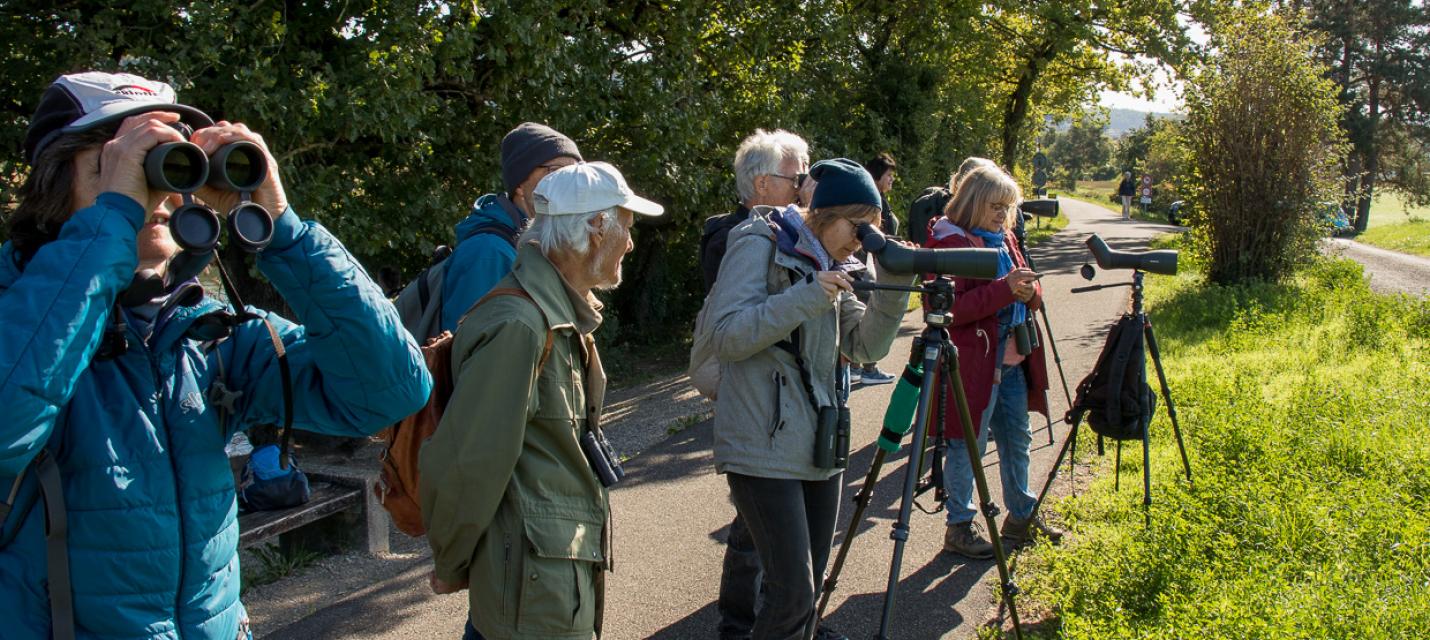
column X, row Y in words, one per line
column 132, row 405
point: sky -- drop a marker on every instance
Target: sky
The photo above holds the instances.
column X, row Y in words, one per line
column 1165, row 97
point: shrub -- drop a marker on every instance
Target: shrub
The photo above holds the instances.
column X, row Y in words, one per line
column 1263, row 144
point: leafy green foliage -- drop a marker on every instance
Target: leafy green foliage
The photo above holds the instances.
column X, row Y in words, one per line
column 1263, row 142
column 386, row 117
column 1080, row 149
column 1304, row 407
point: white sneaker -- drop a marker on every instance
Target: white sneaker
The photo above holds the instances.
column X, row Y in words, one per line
column 856, row 375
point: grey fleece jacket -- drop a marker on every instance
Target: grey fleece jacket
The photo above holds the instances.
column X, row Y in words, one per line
column 764, row 422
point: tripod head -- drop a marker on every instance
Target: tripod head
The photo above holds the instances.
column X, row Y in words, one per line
column 937, row 296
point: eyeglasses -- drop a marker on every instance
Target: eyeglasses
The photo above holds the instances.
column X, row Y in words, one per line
column 798, row 179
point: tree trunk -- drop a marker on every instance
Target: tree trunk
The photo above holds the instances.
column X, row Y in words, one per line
column 1372, row 161
column 1017, row 110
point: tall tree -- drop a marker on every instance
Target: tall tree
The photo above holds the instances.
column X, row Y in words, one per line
column 1378, row 53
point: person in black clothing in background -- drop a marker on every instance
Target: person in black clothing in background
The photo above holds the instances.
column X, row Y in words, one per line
column 881, row 167
column 771, row 169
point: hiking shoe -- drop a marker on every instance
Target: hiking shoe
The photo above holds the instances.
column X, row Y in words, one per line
column 963, row 539
column 1019, row 532
column 825, row 633
column 872, row 375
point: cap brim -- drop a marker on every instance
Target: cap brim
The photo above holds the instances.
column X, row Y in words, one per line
column 116, row 110
column 642, row 206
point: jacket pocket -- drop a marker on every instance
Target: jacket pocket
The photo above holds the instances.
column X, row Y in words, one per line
column 558, row 588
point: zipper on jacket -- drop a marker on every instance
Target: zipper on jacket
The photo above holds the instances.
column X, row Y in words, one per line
column 777, row 423
column 149, row 354
column 506, row 571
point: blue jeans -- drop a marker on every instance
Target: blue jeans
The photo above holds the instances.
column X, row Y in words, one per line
column 1007, row 418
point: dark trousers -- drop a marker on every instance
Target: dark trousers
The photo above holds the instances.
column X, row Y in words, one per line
column 740, row 580
column 471, row 633
column 792, row 524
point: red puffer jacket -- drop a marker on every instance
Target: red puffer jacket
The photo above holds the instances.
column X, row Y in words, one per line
column 975, row 333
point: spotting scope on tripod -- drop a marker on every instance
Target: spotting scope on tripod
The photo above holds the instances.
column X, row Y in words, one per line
column 933, row 360
column 1115, row 397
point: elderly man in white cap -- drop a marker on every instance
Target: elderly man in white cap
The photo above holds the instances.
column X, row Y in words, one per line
column 514, row 482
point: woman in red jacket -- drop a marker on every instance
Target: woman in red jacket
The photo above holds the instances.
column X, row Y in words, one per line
column 1001, row 383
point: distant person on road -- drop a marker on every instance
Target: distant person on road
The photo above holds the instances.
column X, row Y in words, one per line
column 1000, row 383
column 512, row 492
column 1125, row 190
column 765, row 321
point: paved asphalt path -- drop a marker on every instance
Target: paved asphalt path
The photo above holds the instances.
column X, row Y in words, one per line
column 672, row 511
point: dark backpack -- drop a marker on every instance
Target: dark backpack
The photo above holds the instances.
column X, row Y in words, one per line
column 420, row 303
column 1115, row 396
column 927, row 206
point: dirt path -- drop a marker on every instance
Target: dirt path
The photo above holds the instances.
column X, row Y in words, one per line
column 1388, row 271
column 672, row 510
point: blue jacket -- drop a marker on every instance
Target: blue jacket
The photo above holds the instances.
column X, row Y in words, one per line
column 480, row 259
column 150, row 497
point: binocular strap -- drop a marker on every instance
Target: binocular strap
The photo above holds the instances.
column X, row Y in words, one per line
column 242, row 313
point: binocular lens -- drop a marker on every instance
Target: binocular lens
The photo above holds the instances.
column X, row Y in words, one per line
column 238, row 166
column 194, row 227
column 177, row 167
column 250, row 226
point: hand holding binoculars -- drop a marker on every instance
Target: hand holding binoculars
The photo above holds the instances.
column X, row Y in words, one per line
column 183, row 168
column 240, row 167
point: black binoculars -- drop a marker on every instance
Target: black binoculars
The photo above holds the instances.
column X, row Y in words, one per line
column 182, row 168
column 1025, row 337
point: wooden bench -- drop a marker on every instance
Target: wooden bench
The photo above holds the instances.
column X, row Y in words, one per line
column 340, row 509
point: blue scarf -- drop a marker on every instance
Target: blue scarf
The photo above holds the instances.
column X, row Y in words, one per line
column 826, row 263
column 1016, row 313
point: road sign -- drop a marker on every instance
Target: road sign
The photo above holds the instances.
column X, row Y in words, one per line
column 1040, row 160
column 1040, row 177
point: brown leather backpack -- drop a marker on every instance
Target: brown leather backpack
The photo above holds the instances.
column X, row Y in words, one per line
column 396, row 489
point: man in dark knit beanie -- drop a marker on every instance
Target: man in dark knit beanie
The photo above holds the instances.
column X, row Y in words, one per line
column 486, row 238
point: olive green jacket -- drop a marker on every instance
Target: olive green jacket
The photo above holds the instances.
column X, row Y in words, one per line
column 511, row 505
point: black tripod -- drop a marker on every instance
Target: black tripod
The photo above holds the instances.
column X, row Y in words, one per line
column 1077, row 411
column 940, row 360
column 1021, row 235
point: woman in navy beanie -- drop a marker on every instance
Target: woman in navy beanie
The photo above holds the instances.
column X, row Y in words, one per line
column 778, row 325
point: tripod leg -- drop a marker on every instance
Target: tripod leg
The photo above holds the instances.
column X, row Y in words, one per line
column 861, row 502
column 1049, row 416
column 1167, row 396
column 1048, row 327
column 1146, row 473
column 1053, row 474
column 1009, row 588
column 1072, row 455
column 900, row 533
column 1117, row 468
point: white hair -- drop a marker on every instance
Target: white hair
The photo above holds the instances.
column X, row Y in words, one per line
column 761, row 155
column 569, row 233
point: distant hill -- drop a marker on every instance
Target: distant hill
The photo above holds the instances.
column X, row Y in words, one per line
column 1121, row 121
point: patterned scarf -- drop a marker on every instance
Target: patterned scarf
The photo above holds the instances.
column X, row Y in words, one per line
column 1016, row 313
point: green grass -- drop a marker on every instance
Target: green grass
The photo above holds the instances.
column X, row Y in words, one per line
column 1304, row 408
column 1390, row 209
column 1406, row 237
